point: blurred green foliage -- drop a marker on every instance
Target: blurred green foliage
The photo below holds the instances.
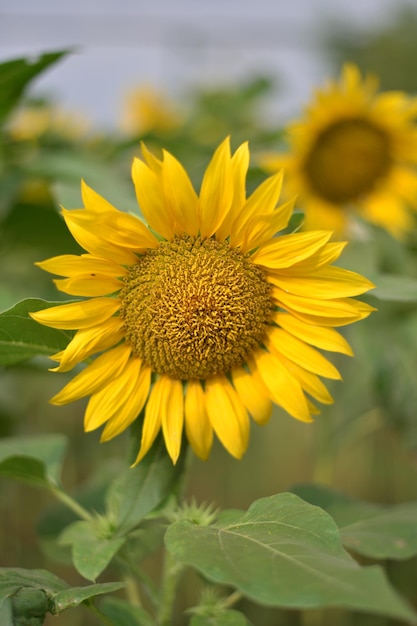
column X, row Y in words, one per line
column 388, row 50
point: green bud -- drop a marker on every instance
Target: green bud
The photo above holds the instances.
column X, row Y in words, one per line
column 29, row 606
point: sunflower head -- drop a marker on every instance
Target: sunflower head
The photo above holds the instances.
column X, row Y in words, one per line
column 354, row 151
column 206, row 315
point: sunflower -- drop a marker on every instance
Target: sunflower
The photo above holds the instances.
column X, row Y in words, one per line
column 353, row 151
column 148, row 111
column 204, row 317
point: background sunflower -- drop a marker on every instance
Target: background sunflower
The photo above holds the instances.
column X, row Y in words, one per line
column 354, row 152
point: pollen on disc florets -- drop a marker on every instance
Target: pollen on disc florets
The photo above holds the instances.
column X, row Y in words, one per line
column 194, row 307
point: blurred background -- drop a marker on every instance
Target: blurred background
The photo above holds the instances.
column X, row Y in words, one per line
column 182, row 75
column 178, row 46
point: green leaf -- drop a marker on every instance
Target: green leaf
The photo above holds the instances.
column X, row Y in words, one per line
column 389, row 534
column 395, row 288
column 284, row 552
column 139, row 490
column 375, row 531
column 220, row 618
column 6, row 617
column 14, row 579
column 15, row 75
column 122, row 613
column 36, row 460
column 74, row 596
column 21, row 338
column 91, row 551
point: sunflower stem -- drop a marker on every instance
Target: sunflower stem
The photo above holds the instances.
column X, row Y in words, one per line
column 146, row 584
column 231, row 600
column 71, row 503
column 171, row 575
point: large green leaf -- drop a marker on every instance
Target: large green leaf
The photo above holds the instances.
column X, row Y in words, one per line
column 284, row 552
column 21, row 338
column 139, row 490
column 389, row 534
column 92, row 551
column 15, row 75
column 36, row 460
column 375, row 531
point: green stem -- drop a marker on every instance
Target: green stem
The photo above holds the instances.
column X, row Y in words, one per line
column 136, row 571
column 171, row 576
column 132, row 591
column 231, row 600
column 71, row 503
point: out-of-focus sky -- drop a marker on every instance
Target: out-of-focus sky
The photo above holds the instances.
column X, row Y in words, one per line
column 175, row 44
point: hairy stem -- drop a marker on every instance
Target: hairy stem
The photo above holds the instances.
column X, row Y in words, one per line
column 71, row 503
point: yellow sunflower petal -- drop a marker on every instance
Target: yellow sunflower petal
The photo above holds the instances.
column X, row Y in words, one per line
column 284, row 251
column 326, row 255
column 197, row 424
column 262, row 201
column 83, row 227
column 94, row 202
column 387, row 210
column 88, row 285
column 325, row 283
column 240, row 165
column 227, row 415
column 173, row 418
column 280, row 342
column 82, row 314
column 151, row 160
column 216, row 192
column 132, row 406
column 310, row 382
column 151, row 199
column 89, row 341
column 318, row 336
column 284, row 389
column 125, row 230
column 107, row 402
column 71, row 265
column 153, row 415
column 335, row 312
column 105, row 367
column 180, row 195
column 253, row 394
column 263, row 227
column 128, row 231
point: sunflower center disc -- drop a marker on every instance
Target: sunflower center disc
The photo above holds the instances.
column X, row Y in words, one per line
column 347, row 159
column 195, row 307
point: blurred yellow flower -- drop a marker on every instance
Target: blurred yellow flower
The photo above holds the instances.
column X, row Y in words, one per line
column 205, row 316
column 33, row 121
column 354, row 150
column 146, row 110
